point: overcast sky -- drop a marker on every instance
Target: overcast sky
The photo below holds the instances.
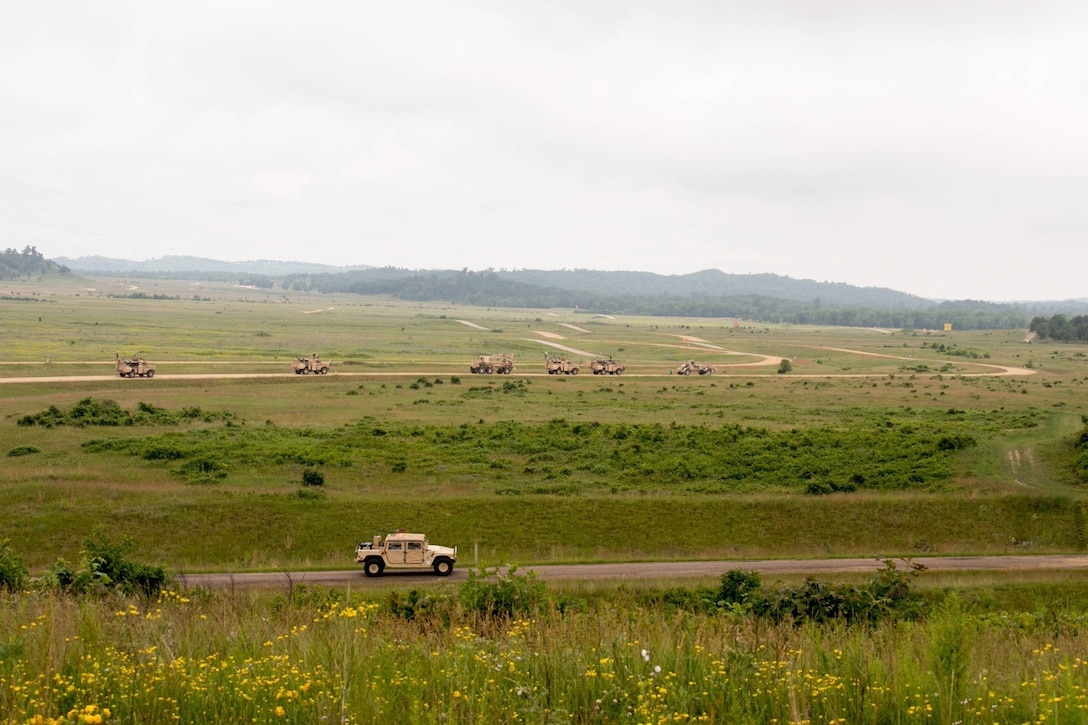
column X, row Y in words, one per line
column 937, row 148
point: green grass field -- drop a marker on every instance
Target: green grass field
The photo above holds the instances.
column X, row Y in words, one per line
column 881, row 443
column 878, row 442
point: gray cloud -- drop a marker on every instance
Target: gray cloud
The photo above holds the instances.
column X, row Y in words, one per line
column 933, row 148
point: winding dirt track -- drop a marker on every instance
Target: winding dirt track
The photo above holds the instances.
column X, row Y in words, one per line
column 762, row 360
column 644, row 570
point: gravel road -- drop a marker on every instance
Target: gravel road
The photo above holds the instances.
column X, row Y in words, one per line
column 644, row 570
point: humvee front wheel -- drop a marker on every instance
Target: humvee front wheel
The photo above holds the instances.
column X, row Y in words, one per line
column 150, row 373
column 373, row 567
column 443, row 567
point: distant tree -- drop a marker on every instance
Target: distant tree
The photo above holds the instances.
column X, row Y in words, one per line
column 29, row 262
column 784, row 367
column 1062, row 328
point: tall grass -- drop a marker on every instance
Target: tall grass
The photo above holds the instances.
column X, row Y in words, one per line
column 317, row 656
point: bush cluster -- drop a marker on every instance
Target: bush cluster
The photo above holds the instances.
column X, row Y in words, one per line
column 1081, row 449
column 13, row 574
column 493, row 594
column 89, row 411
column 104, row 566
column 888, row 593
column 882, row 450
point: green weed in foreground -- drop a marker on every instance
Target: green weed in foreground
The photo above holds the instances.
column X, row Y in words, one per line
column 319, row 656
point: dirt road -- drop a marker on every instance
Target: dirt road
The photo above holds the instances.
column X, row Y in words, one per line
column 644, row 570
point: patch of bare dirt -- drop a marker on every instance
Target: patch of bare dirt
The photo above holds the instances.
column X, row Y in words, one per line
column 572, row 350
column 1023, row 466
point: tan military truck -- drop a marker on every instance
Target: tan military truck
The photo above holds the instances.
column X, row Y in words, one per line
column 307, row 365
column 690, row 366
column 402, row 551
column 501, row 363
column 133, row 367
column 607, row 366
column 560, row 365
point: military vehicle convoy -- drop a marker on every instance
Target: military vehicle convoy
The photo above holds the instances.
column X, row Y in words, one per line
column 606, row 366
column 402, row 551
column 560, row 365
column 690, row 366
column 502, row 364
column 133, row 367
column 307, row 365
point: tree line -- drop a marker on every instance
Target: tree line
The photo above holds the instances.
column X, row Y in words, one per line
column 27, row 263
column 495, row 290
column 1062, row 328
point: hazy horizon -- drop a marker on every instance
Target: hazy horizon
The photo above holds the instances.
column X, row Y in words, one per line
column 929, row 148
column 516, row 269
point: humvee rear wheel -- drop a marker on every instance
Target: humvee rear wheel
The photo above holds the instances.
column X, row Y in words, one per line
column 443, row 567
column 373, row 567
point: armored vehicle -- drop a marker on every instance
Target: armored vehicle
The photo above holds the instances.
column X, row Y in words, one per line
column 307, row 365
column 134, row 367
column 690, row 366
column 402, row 551
column 607, row 366
column 502, row 364
column 560, row 365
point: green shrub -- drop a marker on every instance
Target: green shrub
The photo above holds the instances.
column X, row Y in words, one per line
column 313, row 477
column 203, row 470
column 738, row 587
column 23, row 451
column 89, row 411
column 1081, row 449
column 889, row 593
column 105, row 566
column 13, row 574
column 494, row 593
column 419, row 605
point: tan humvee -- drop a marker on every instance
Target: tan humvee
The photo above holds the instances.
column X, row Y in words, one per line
column 404, row 551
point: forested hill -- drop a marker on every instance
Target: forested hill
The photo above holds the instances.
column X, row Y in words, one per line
column 710, row 293
column 591, row 285
column 182, row 264
column 832, row 307
column 27, row 263
column 715, row 283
